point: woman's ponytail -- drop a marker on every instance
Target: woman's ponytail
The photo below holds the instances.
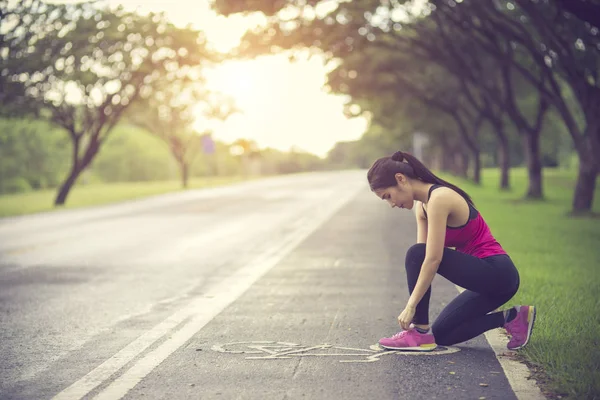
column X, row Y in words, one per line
column 398, row 156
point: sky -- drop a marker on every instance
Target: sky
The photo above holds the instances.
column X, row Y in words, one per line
column 283, row 103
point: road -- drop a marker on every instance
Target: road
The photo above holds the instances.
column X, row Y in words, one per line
column 269, row 289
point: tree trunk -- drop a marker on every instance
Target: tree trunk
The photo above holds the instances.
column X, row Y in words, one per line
column 534, row 165
column 76, row 168
column 444, row 154
column 476, row 166
column 446, row 161
column 583, row 198
column 589, row 166
column 587, row 145
column 465, row 163
column 504, row 162
column 184, row 168
column 65, row 188
column 461, row 161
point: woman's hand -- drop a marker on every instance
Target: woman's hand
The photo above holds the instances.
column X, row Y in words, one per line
column 406, row 317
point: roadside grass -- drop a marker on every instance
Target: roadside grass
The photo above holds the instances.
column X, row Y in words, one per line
column 100, row 193
column 558, row 257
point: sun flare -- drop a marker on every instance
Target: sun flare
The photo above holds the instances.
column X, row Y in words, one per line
column 282, row 104
column 238, row 79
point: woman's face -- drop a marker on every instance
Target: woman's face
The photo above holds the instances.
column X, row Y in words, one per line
column 400, row 196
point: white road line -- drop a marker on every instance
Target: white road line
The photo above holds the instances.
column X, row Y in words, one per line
column 516, row 373
column 201, row 311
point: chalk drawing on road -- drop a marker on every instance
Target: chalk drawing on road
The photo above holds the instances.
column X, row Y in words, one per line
column 265, row 350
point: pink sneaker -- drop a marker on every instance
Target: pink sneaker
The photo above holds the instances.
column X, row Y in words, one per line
column 409, row 340
column 520, row 328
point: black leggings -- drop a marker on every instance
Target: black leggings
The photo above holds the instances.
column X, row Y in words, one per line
column 488, row 282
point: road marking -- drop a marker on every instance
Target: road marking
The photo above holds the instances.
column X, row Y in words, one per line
column 285, row 350
column 200, row 311
column 516, row 373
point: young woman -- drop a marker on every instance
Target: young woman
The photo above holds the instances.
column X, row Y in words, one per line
column 446, row 218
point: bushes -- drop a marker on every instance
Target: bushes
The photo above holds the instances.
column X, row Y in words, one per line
column 15, row 185
column 33, row 155
column 132, row 155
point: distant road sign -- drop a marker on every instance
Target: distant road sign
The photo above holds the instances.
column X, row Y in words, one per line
column 208, row 144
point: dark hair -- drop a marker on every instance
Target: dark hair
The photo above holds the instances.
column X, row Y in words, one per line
column 382, row 173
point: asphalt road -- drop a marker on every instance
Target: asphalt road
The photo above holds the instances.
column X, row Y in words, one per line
column 270, row 289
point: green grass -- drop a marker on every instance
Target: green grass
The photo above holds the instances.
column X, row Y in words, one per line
column 558, row 258
column 99, row 193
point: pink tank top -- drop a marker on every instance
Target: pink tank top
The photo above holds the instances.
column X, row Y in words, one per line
column 474, row 238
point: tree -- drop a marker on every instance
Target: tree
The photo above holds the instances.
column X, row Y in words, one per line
column 481, row 79
column 88, row 67
column 571, row 48
column 370, row 66
column 170, row 114
column 554, row 48
column 542, row 42
column 495, row 90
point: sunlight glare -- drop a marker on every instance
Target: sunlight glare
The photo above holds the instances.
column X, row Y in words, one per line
column 283, row 104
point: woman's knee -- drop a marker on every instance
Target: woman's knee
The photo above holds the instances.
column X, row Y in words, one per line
column 442, row 338
column 507, row 294
column 415, row 255
column 437, row 329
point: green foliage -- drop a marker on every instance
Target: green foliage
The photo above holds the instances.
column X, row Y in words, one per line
column 82, row 65
column 16, row 185
column 293, row 162
column 170, row 113
column 131, row 155
column 33, row 155
column 220, row 163
column 377, row 142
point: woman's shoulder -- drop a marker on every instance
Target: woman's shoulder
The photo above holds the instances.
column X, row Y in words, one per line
column 447, row 197
column 442, row 192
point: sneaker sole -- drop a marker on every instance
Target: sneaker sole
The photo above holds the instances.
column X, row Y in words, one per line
column 424, row 347
column 531, row 318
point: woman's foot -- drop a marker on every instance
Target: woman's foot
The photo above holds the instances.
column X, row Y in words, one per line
column 410, row 340
column 520, row 327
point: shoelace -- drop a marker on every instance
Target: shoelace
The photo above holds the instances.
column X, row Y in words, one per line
column 400, row 334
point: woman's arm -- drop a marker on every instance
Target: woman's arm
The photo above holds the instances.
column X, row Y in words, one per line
column 438, row 209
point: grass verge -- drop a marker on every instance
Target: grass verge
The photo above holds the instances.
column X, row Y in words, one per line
column 558, row 257
column 99, row 193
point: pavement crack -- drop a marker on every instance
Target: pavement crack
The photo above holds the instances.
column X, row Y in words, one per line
column 296, row 368
column 331, row 326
